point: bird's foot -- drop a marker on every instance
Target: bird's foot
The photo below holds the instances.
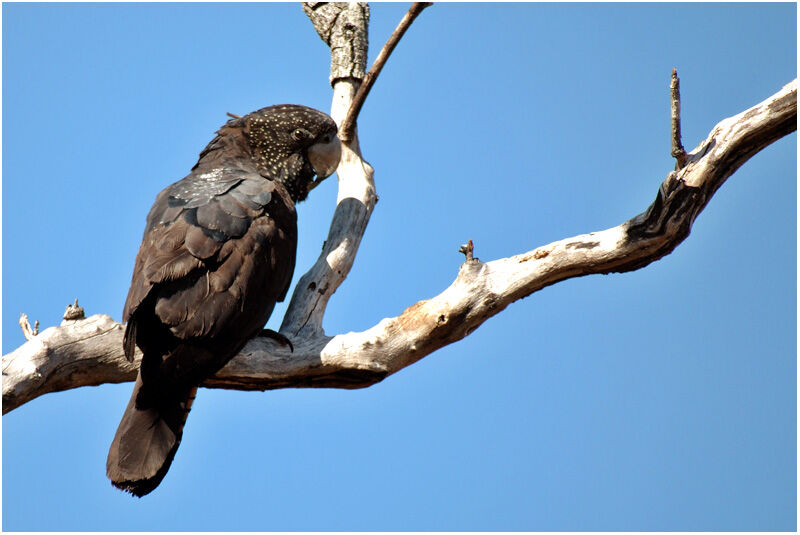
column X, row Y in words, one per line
column 278, row 337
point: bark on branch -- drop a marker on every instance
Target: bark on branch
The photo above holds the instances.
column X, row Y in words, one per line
column 677, row 152
column 343, row 26
column 89, row 351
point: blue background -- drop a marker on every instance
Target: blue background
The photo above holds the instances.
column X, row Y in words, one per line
column 663, row 399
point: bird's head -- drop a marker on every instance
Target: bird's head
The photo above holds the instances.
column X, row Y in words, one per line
column 291, row 144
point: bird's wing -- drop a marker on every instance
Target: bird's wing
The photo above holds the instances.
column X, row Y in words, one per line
column 214, row 242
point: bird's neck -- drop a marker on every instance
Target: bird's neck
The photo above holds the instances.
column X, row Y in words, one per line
column 228, row 148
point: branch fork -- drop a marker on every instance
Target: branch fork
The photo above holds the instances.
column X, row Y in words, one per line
column 29, row 332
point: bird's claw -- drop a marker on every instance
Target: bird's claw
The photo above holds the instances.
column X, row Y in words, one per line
column 278, row 337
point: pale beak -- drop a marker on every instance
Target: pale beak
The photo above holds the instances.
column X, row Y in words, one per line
column 324, row 157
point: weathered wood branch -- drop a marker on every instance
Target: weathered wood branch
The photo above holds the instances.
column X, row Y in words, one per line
column 677, row 152
column 28, row 331
column 348, row 125
column 343, row 26
column 89, row 351
column 357, row 197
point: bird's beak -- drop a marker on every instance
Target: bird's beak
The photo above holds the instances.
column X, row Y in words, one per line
column 324, row 157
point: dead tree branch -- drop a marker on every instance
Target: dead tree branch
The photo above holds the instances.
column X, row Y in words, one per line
column 89, row 351
column 357, row 197
column 343, row 26
column 27, row 331
column 347, row 127
column 677, row 152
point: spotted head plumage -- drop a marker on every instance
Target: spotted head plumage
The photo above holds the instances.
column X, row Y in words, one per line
column 291, row 144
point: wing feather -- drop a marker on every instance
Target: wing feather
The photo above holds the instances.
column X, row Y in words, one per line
column 232, row 207
column 200, row 244
column 216, row 249
column 213, row 217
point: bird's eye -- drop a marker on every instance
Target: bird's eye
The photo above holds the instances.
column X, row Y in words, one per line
column 300, row 134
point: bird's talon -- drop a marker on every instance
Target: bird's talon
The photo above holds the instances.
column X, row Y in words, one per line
column 278, row 337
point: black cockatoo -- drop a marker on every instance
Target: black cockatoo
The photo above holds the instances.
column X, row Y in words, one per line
column 218, row 252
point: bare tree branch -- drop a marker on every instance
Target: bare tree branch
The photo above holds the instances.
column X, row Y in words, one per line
column 89, row 351
column 347, row 128
column 343, row 26
column 356, row 198
column 677, row 152
column 27, row 331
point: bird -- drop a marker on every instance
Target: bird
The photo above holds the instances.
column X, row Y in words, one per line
column 218, row 252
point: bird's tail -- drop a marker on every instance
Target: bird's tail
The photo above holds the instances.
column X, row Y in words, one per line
column 146, row 441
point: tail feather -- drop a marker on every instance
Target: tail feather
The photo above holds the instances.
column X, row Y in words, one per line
column 146, row 441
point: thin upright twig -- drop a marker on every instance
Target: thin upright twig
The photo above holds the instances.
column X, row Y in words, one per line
column 348, row 125
column 678, row 151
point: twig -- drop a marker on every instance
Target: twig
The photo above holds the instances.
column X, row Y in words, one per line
column 467, row 250
column 348, row 125
column 678, row 151
column 26, row 327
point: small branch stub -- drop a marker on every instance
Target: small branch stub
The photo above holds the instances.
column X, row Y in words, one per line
column 26, row 327
column 678, row 151
column 74, row 312
column 467, row 250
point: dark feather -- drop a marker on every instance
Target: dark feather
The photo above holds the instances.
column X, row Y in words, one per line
column 231, row 207
column 146, row 441
column 199, row 189
column 129, row 341
column 201, row 243
column 166, row 267
column 222, row 277
column 247, row 200
column 211, row 216
column 176, row 301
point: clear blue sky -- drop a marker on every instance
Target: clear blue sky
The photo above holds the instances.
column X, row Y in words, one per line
column 663, row 399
